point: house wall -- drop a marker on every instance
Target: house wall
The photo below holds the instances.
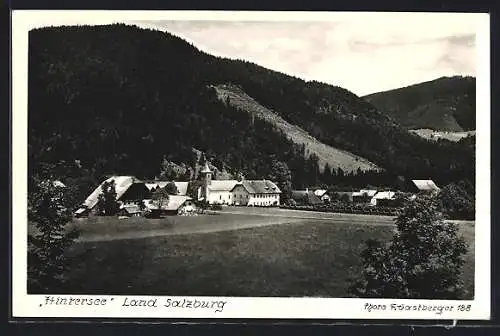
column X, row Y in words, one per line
column 264, row 199
column 220, row 197
column 240, row 195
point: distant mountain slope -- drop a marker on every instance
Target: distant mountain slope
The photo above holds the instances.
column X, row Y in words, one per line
column 335, row 158
column 444, row 104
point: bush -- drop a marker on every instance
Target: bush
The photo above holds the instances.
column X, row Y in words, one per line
column 423, row 260
column 215, row 207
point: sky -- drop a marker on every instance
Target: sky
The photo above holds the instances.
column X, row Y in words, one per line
column 362, row 52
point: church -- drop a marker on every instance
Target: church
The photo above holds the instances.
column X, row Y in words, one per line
column 232, row 192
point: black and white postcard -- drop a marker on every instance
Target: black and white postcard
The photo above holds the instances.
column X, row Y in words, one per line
column 284, row 165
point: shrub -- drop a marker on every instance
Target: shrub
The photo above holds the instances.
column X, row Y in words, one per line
column 423, row 260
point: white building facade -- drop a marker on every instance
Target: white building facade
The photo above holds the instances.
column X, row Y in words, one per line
column 243, row 193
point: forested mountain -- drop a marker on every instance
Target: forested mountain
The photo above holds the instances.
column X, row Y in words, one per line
column 444, row 104
column 121, row 100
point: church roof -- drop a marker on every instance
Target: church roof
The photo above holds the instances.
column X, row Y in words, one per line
column 222, row 185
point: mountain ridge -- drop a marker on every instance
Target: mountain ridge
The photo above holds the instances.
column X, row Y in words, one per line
column 443, row 104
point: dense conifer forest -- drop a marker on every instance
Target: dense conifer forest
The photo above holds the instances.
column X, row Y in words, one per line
column 120, row 100
column 443, row 104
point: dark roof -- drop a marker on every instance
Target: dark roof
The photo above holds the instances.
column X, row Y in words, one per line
column 308, row 196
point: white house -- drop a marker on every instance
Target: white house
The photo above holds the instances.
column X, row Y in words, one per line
column 233, row 192
column 256, row 193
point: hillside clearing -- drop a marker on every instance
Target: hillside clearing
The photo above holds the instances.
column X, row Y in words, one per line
column 436, row 135
column 335, row 158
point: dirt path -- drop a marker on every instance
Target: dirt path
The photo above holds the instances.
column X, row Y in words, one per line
column 179, row 230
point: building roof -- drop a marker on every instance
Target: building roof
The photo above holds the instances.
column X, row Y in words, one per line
column 182, row 187
column 174, row 203
column 425, row 185
column 222, row 185
column 365, row 192
column 260, row 187
column 385, row 195
column 58, row 184
column 309, row 196
column 122, row 183
column 156, row 184
column 80, row 210
column 319, row 192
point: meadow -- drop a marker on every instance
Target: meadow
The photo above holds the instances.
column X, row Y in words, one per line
column 281, row 257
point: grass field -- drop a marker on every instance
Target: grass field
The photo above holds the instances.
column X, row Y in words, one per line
column 304, row 258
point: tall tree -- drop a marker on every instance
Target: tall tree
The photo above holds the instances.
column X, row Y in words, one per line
column 423, row 260
column 50, row 215
column 160, row 198
column 281, row 174
column 107, row 204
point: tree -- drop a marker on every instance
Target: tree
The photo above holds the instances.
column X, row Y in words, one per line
column 281, row 174
column 423, row 260
column 160, row 198
column 345, row 198
column 50, row 215
column 170, row 170
column 171, row 189
column 107, row 204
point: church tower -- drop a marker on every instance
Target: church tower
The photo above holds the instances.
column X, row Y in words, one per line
column 207, row 180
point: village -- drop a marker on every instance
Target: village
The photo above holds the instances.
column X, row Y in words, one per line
column 135, row 197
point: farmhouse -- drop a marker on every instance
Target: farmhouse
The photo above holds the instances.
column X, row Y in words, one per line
column 256, row 193
column 306, row 197
column 129, row 190
column 363, row 196
column 383, row 198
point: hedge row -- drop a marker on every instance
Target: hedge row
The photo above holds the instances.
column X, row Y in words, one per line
column 351, row 209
